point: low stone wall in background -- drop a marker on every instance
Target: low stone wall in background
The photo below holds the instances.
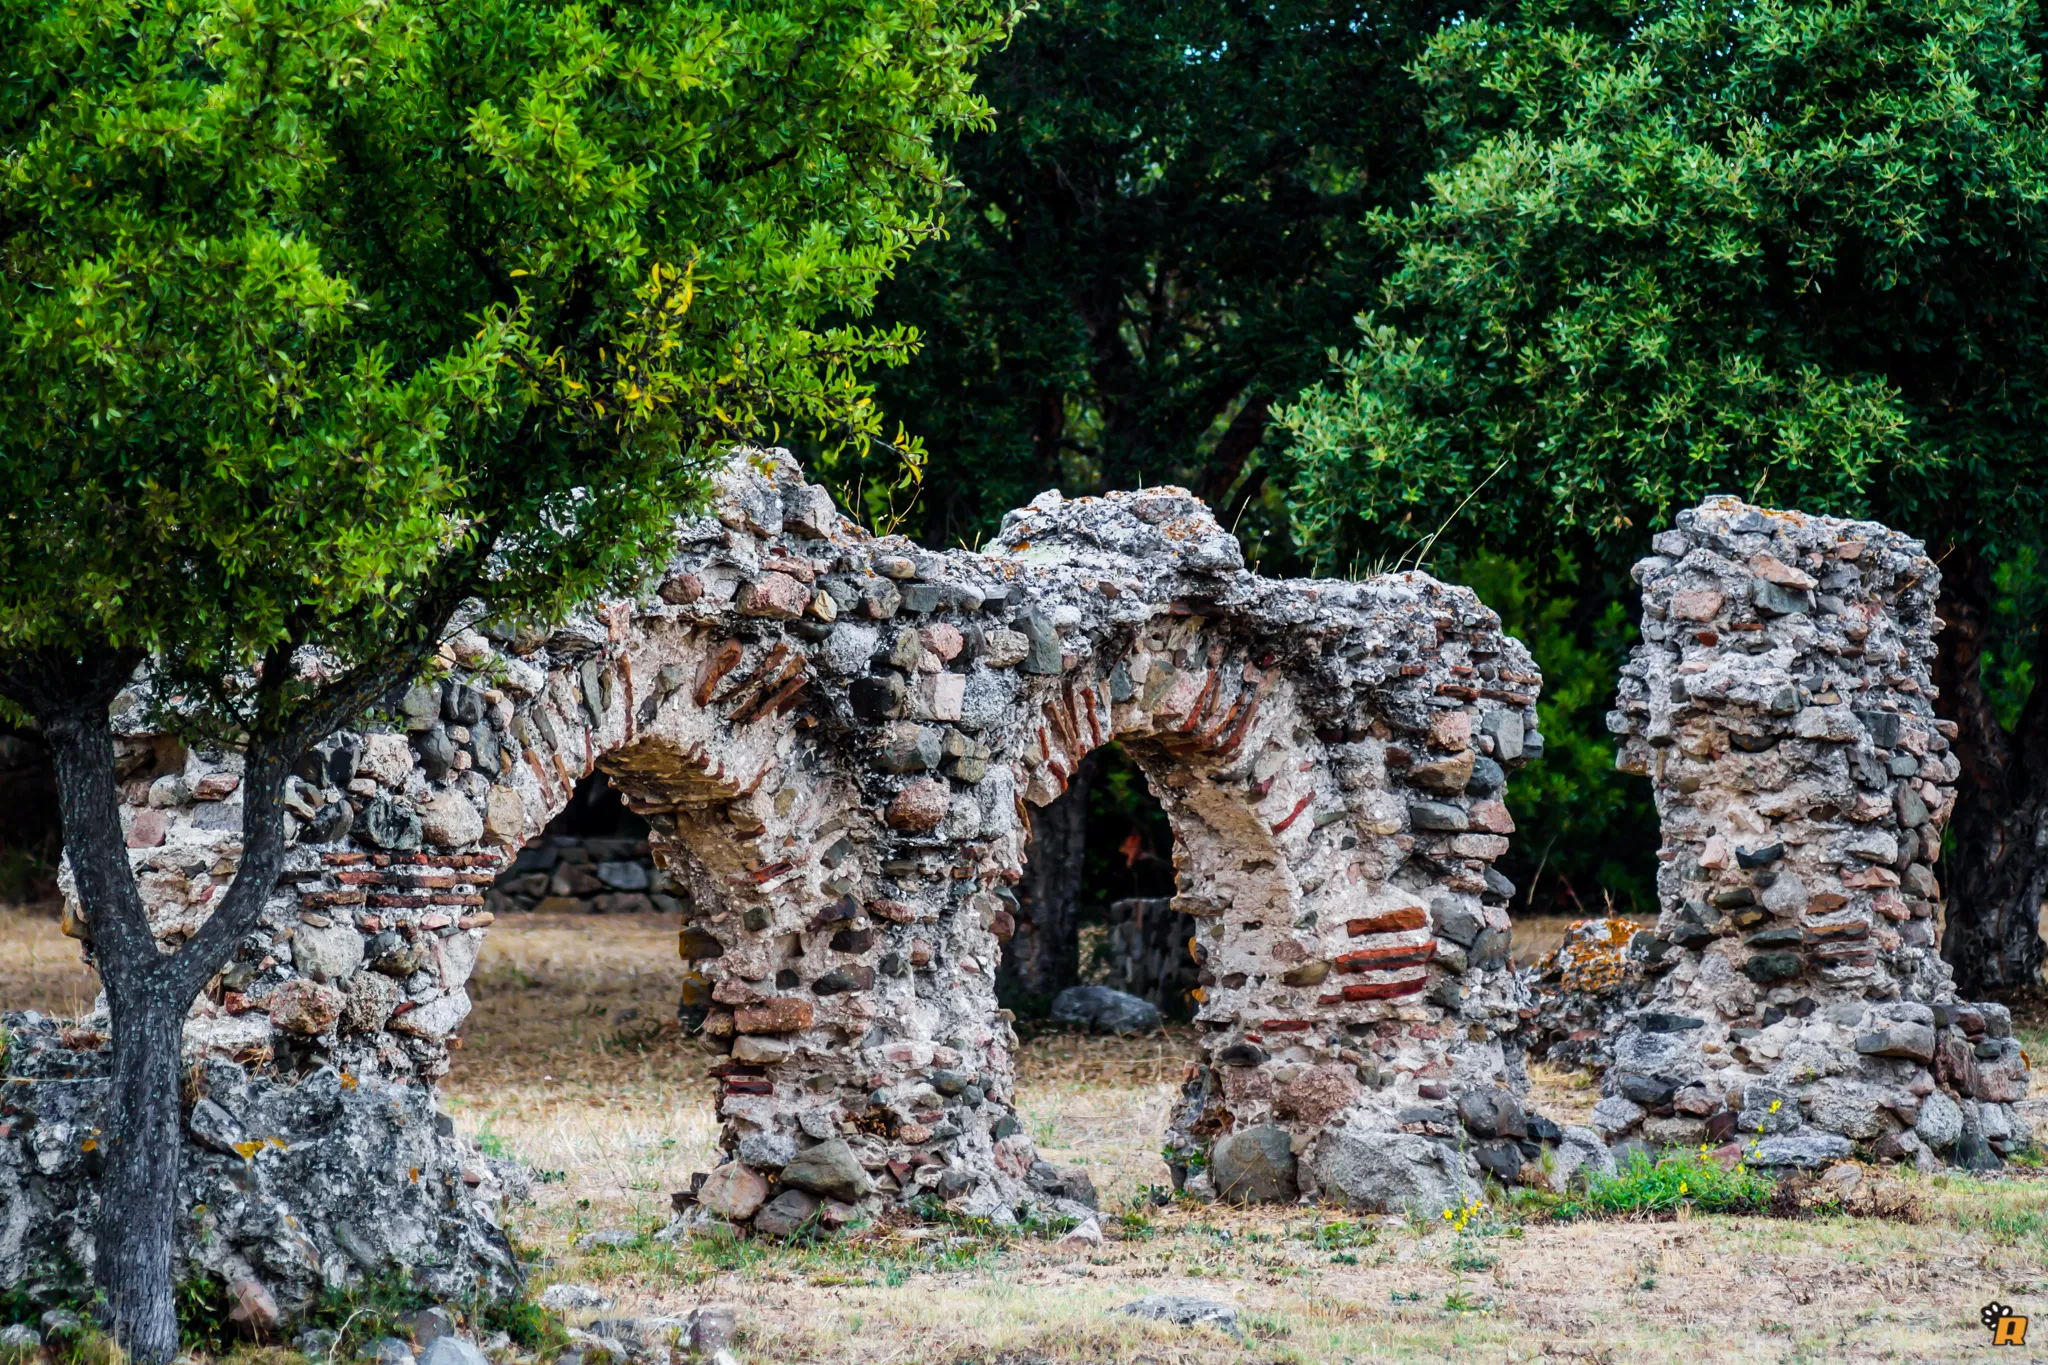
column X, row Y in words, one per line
column 568, row 874
column 1150, row 948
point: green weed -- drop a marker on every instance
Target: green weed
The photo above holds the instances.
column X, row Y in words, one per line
column 1341, row 1236
column 1643, row 1186
column 374, row 1308
column 205, row 1324
column 491, row 1144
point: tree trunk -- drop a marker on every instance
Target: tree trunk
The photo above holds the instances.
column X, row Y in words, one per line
column 1044, row 956
column 1997, row 873
column 144, row 1148
column 148, row 990
column 140, row 1146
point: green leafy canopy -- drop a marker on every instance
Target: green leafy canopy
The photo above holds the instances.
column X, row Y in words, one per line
column 1792, row 251
column 1157, row 235
column 316, row 309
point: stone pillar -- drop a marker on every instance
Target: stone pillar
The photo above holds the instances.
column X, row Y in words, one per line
column 1795, row 1002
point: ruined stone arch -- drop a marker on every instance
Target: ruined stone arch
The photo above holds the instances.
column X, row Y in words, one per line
column 837, row 741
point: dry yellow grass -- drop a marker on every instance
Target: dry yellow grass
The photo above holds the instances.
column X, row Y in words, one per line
column 572, row 1061
column 1696, row 1289
column 626, row 1118
column 39, row 967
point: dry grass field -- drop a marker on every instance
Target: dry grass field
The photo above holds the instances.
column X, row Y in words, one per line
column 572, row 1063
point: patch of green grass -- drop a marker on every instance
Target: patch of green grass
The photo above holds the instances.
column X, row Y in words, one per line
column 381, row 1306
column 1341, row 1236
column 1643, row 1186
column 1136, row 1226
column 371, row 1309
column 2007, row 1226
column 204, row 1322
column 531, row 1327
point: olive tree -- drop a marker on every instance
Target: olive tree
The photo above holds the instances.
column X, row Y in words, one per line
column 326, row 319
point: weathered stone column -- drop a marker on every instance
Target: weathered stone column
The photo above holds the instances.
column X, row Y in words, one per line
column 1780, row 702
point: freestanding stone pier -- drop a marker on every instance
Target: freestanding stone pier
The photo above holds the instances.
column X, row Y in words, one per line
column 1794, row 1001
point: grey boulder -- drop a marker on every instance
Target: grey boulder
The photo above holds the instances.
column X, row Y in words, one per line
column 783, row 1215
column 828, row 1169
column 1580, row 1156
column 388, row 1351
column 1805, row 1149
column 1392, row 1172
column 1254, row 1166
column 572, row 1298
column 452, row 1350
column 1183, row 1310
column 1104, row 1011
column 1940, row 1121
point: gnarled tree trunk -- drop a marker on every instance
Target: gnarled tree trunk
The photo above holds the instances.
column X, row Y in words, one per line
column 140, row 1148
column 1996, row 876
column 149, row 990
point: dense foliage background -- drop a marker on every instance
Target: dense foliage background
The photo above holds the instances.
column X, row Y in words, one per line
column 1157, row 239
column 1793, row 251
column 1167, row 230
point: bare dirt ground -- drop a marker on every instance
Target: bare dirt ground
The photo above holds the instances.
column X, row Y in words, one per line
column 572, row 1063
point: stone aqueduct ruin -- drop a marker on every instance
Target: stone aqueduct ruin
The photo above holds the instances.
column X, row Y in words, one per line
column 838, row 741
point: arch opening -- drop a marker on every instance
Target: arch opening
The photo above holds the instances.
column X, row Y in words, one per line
column 593, row 857
column 1094, row 903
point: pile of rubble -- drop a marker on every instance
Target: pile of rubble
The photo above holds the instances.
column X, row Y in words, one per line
column 290, row 1184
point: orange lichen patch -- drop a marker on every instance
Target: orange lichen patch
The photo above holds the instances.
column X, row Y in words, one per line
column 1593, row 956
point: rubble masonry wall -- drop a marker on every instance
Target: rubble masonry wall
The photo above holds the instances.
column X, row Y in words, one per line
column 837, row 741
column 1792, row 996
